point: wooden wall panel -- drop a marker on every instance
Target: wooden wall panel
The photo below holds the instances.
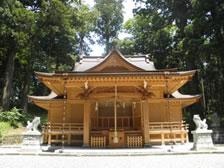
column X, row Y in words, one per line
column 55, row 115
column 175, row 113
column 160, row 112
column 76, row 113
column 157, row 112
column 137, row 116
column 73, row 93
column 158, row 93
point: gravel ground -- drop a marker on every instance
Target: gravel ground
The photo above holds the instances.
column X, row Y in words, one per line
column 161, row 161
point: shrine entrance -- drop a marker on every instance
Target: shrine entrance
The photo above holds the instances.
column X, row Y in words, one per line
column 103, row 117
column 104, row 132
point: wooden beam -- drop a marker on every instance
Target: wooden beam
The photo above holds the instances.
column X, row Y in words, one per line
column 175, row 85
column 56, row 86
column 119, row 95
column 43, row 104
column 189, row 102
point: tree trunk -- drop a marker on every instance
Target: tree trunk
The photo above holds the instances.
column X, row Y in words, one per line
column 107, row 45
column 81, row 46
column 8, row 87
column 26, row 87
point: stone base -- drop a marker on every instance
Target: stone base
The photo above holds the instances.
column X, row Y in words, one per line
column 85, row 146
column 31, row 141
column 202, row 139
column 147, row 145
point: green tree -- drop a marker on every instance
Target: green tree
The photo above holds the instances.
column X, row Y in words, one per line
column 126, row 46
column 109, row 21
column 57, row 36
column 151, row 35
column 30, row 30
column 187, row 35
column 15, row 25
column 86, row 25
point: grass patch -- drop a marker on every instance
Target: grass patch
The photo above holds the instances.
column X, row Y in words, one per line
column 10, row 134
column 7, row 129
column 4, row 128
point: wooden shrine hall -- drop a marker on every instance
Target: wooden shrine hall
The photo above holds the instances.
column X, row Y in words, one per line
column 115, row 101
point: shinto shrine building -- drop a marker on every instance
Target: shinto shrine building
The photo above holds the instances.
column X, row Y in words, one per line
column 115, row 101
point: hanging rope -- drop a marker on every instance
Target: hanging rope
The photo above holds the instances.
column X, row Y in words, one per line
column 168, row 107
column 115, row 115
column 64, row 114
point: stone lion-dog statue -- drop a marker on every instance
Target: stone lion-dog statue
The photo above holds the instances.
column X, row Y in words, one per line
column 200, row 124
column 33, row 126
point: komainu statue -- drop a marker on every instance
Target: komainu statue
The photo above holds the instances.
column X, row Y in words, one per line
column 33, row 126
column 200, row 124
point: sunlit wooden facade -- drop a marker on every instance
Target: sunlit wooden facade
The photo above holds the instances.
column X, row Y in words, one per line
column 115, row 101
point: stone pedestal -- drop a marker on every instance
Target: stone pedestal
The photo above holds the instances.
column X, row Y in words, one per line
column 31, row 141
column 202, row 139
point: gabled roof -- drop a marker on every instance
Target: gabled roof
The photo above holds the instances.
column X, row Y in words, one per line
column 114, row 60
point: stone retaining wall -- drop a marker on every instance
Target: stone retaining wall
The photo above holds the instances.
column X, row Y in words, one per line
column 12, row 139
column 218, row 135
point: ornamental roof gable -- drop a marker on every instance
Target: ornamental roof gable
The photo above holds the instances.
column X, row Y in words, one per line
column 114, row 62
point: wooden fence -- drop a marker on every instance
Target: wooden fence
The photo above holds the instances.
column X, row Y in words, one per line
column 98, row 142
column 62, row 133
column 134, row 141
column 162, row 132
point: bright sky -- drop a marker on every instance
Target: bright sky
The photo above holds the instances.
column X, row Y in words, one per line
column 128, row 7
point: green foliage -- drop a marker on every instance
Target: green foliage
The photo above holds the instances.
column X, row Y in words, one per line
column 86, row 24
column 38, row 36
column 55, row 34
column 126, row 46
column 152, row 36
column 187, row 35
column 109, row 21
column 14, row 116
column 16, row 24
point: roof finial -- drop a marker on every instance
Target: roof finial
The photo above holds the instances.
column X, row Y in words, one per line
column 147, row 58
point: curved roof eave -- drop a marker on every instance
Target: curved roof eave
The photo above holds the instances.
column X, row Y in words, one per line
column 165, row 73
column 178, row 95
column 51, row 96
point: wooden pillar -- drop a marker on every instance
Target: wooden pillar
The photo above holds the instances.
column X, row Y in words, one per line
column 133, row 114
column 145, row 112
column 86, row 123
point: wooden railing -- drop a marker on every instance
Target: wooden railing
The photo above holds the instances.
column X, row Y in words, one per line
column 61, row 132
column 162, row 132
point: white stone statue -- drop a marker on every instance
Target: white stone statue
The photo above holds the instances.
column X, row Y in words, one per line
column 32, row 137
column 33, row 126
column 200, row 124
column 202, row 136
